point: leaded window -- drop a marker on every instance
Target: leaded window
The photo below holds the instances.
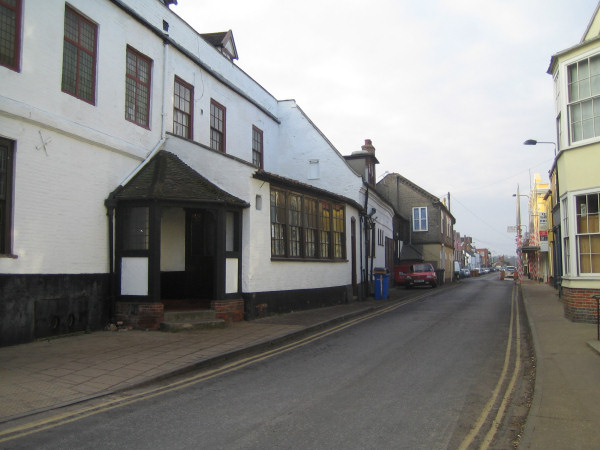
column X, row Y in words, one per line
column 277, row 223
column 136, row 228
column 338, row 232
column 79, row 56
column 304, row 227
column 10, row 33
column 183, row 108
column 310, row 227
column 6, row 189
column 137, row 88
column 295, row 224
column 257, row 147
column 325, row 229
column 217, row 126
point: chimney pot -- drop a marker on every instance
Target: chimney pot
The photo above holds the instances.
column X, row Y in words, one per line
column 368, row 146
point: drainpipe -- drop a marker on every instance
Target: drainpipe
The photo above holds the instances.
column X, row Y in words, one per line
column 111, row 263
column 366, row 221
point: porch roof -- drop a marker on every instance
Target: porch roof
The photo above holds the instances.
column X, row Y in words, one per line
column 167, row 178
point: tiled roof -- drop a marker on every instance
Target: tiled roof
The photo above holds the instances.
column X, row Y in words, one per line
column 166, row 178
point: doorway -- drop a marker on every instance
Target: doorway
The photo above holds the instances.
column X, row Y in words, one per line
column 200, row 254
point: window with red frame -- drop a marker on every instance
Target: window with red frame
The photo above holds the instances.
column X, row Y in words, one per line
column 10, row 34
column 79, row 56
column 137, row 88
column 183, row 109
column 217, row 126
column 6, row 194
column 257, row 147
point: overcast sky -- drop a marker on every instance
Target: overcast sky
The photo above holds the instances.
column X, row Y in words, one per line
column 447, row 90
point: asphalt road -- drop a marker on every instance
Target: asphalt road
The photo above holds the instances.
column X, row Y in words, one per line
column 415, row 377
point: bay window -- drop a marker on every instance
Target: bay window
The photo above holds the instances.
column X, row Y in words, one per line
column 584, row 98
column 588, row 233
column 304, row 227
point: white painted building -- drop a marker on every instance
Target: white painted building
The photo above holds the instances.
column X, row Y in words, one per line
column 141, row 165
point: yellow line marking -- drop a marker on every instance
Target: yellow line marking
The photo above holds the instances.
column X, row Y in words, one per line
column 488, row 406
column 497, row 420
column 65, row 418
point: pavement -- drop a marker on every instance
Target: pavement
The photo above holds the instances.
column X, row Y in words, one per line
column 49, row 374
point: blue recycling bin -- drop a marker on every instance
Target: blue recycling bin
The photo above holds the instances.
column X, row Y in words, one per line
column 382, row 281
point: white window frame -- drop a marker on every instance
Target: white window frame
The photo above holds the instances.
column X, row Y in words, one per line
column 420, row 210
column 578, row 235
column 580, row 99
column 565, row 234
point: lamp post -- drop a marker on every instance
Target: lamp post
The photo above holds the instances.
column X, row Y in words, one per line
column 534, row 142
column 519, row 239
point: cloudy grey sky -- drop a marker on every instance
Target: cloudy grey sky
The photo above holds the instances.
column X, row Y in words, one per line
column 447, row 90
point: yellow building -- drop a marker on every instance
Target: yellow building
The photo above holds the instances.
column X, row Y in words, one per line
column 536, row 248
column 575, row 173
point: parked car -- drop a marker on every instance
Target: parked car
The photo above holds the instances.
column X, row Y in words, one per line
column 410, row 275
column 465, row 273
column 509, row 272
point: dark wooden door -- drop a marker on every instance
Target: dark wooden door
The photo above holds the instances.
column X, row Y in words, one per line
column 200, row 256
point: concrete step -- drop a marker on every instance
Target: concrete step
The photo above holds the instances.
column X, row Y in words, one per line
column 190, row 315
column 191, row 320
column 192, row 325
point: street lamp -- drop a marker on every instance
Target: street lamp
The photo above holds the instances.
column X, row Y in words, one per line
column 534, row 142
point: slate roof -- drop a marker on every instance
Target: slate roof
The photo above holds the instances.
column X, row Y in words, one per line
column 167, row 178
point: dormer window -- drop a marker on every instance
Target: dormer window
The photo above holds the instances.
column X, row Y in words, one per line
column 223, row 42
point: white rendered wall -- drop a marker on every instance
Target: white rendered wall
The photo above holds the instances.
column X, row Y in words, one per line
column 59, row 218
column 301, row 142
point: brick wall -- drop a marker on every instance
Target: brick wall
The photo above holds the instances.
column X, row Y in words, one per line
column 228, row 310
column 579, row 304
column 145, row 316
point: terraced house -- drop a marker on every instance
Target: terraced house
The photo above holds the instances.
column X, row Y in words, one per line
column 139, row 166
column 575, row 179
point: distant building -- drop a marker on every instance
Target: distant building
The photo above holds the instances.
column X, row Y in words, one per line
column 431, row 232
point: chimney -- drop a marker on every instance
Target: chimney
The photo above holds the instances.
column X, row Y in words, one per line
column 368, row 147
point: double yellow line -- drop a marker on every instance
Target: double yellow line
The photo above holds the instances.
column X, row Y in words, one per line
column 68, row 417
column 487, row 410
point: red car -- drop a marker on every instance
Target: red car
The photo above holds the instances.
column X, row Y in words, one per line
column 417, row 274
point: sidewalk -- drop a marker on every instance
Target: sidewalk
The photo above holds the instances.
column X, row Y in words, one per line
column 565, row 413
column 47, row 374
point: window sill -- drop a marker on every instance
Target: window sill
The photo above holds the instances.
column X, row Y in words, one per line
column 9, row 256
